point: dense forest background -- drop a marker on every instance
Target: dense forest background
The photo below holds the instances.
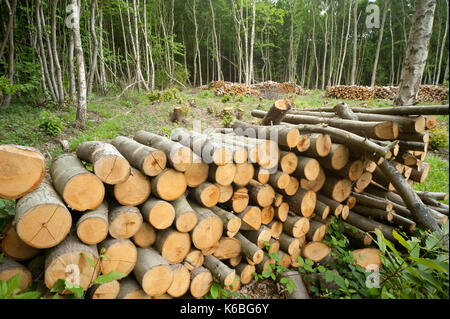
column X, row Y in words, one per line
column 154, row 44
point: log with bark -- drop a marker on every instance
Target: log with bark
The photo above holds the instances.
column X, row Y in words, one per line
column 152, row 272
column 42, row 220
column 108, row 164
column 178, row 156
column 383, row 130
column 80, row 189
column 149, row 160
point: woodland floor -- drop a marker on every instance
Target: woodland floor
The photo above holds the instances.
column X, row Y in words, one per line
column 109, row 116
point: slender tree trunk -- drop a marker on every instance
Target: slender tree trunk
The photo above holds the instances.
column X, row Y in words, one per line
column 392, row 75
column 316, row 83
column 326, row 48
column 72, row 85
column 445, row 73
column 331, row 44
column 237, row 26
column 416, row 53
column 124, row 36
column 100, row 48
column 444, row 40
column 41, row 52
column 59, row 76
column 93, row 65
column 252, row 42
column 81, row 72
column 215, row 43
column 197, row 45
column 345, row 43
column 8, row 97
column 245, row 27
column 380, row 40
column 50, row 56
column 355, row 42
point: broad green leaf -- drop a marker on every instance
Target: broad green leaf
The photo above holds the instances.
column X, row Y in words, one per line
column 428, row 263
column 272, row 275
column 309, row 262
column 329, row 276
column 89, row 260
column 321, row 269
column 78, row 291
column 3, row 290
column 111, row 276
column 401, row 240
column 381, row 244
column 59, row 286
column 1, row 257
column 55, row 296
column 13, row 285
column 283, row 280
column 214, row 291
column 340, row 281
column 300, row 261
column 265, row 274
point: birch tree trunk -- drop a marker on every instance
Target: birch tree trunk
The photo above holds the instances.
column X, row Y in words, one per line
column 93, row 65
column 380, row 40
column 7, row 100
column 416, row 53
column 100, row 48
column 444, row 39
column 215, row 43
column 81, row 72
column 355, row 42
column 252, row 42
column 59, row 76
column 326, row 48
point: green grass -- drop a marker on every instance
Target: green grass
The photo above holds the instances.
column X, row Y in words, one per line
column 108, row 117
column 437, row 180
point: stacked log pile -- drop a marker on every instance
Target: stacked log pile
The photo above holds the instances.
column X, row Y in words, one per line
column 427, row 93
column 224, row 87
column 176, row 214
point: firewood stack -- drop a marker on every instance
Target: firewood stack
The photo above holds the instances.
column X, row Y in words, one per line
column 224, row 87
column 176, row 214
column 427, row 93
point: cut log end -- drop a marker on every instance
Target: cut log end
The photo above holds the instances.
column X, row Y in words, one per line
column 21, row 170
column 169, row 185
column 92, row 230
column 109, row 290
column 112, row 169
column 83, row 192
column 197, row 174
column 134, row 191
column 14, row 247
column 304, row 143
column 44, row 226
column 121, row 256
column 157, row 280
column 316, row 251
column 386, row 130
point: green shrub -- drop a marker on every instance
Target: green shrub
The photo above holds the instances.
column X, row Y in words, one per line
column 439, row 136
column 50, row 124
column 418, row 271
column 207, row 94
column 226, row 98
column 239, row 98
column 227, row 118
column 168, row 95
column 7, row 212
column 153, row 96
